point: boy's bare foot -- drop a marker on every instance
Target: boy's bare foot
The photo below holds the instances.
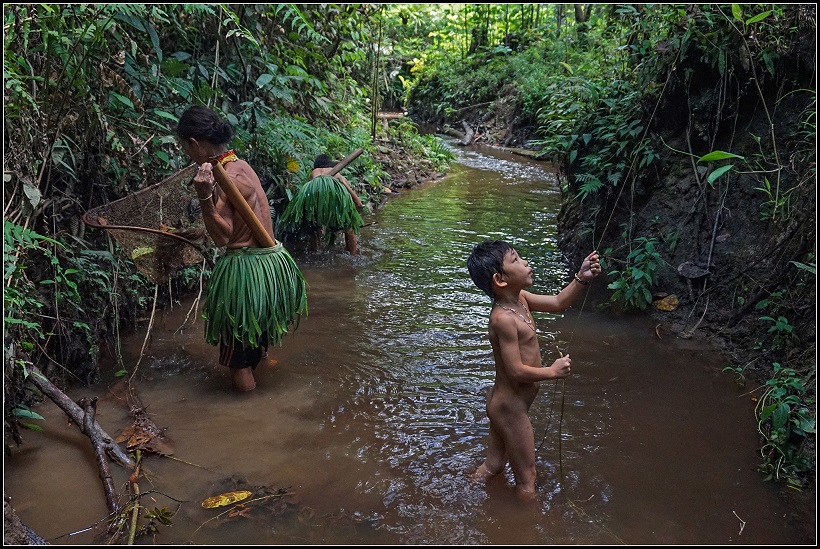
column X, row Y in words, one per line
column 482, row 474
column 525, row 495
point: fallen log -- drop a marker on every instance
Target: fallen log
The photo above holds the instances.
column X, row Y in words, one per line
column 76, row 414
column 15, row 531
column 89, row 406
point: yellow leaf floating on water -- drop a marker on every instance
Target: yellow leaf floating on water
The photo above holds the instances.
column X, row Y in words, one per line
column 225, row 499
column 668, row 303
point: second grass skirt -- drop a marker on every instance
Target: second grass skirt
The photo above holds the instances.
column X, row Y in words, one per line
column 323, row 201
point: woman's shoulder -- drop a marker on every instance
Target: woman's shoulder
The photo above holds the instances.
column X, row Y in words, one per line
column 240, row 168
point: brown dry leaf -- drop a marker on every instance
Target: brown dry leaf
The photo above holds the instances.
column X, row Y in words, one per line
column 668, row 303
column 138, row 439
column 159, row 445
column 126, row 433
column 225, row 499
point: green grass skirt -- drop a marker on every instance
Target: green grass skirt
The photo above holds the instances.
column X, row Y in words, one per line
column 254, row 291
column 322, row 201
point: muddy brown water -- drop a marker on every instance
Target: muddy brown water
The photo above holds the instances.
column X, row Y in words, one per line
column 372, row 416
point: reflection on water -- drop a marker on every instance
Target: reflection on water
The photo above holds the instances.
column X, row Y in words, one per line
column 373, row 414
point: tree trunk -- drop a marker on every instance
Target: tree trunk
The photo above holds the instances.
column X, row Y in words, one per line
column 468, row 133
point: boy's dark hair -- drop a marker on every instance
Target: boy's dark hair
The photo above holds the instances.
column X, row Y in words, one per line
column 323, row 161
column 486, row 260
column 203, row 124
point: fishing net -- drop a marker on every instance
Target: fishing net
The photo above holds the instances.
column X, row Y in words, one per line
column 323, row 201
column 159, row 227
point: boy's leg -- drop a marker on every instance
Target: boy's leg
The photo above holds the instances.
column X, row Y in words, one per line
column 520, row 441
column 242, row 361
column 496, row 450
column 496, row 458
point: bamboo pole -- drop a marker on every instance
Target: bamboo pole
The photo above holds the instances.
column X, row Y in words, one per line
column 343, row 164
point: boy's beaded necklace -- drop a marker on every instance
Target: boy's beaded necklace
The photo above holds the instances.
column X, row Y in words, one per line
column 527, row 320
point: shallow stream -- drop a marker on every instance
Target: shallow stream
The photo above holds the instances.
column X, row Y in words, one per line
column 371, row 415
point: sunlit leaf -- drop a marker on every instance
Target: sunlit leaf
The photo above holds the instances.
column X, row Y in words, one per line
column 758, row 17
column 225, row 499
column 668, row 303
column 737, row 13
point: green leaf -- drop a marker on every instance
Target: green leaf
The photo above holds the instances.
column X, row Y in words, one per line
column 33, row 427
column 737, row 13
column 718, row 155
column 163, row 114
column 123, row 99
column 718, row 172
column 758, row 17
column 781, row 415
column 263, row 80
column 23, row 412
column 810, row 268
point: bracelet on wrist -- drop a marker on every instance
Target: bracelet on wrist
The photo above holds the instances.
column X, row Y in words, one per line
column 210, row 196
column 580, row 280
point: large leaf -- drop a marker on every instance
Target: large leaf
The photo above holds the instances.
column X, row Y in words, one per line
column 718, row 155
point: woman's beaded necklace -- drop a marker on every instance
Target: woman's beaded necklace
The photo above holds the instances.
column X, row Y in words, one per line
column 226, row 157
column 527, row 319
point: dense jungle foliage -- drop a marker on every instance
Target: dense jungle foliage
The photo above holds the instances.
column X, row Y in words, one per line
column 685, row 137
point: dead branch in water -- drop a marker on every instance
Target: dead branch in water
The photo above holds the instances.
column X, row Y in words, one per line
column 89, row 405
column 76, row 414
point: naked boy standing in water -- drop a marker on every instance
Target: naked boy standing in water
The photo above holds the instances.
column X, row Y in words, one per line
column 496, row 268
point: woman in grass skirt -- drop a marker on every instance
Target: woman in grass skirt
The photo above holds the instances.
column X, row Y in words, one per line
column 255, row 293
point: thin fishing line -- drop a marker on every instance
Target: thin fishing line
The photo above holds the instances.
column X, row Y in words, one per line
column 603, row 232
column 581, row 308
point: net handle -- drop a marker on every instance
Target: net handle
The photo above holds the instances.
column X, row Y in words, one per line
column 91, row 223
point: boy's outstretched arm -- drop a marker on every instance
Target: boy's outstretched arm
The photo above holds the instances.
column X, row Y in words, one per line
column 506, row 331
column 590, row 268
